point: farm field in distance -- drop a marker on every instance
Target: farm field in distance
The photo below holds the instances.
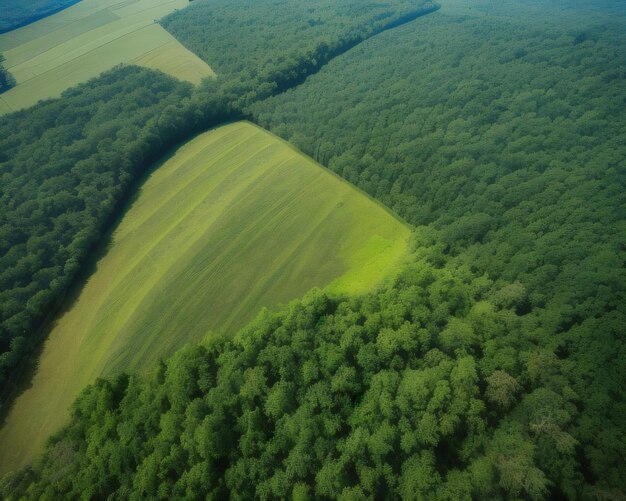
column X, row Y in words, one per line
column 80, row 42
column 234, row 221
column 18, row 13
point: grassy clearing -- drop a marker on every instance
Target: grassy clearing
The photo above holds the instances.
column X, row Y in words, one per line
column 234, row 221
column 88, row 38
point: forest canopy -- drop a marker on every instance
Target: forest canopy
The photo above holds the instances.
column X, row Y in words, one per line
column 419, row 391
column 276, row 44
column 491, row 367
column 234, row 37
column 509, row 140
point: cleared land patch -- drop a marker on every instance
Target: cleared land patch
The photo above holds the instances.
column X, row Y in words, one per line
column 234, row 221
column 88, row 38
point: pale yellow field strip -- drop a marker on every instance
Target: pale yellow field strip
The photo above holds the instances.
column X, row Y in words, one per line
column 79, row 36
column 56, row 22
column 32, row 48
column 170, row 59
column 88, row 38
column 234, row 221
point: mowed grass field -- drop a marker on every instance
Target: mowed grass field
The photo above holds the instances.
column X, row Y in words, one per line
column 81, row 42
column 234, row 221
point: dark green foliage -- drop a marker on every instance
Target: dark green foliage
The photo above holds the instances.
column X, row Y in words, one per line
column 270, row 45
column 509, row 138
column 16, row 13
column 389, row 395
column 6, row 79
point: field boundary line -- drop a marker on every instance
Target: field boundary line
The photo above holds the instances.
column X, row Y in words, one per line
column 91, row 51
column 337, row 176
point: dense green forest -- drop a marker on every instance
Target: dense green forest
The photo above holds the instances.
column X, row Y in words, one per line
column 509, row 139
column 67, row 165
column 16, row 13
column 492, row 367
column 271, row 45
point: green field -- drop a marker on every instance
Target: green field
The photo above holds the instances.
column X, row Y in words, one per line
column 81, row 42
column 234, row 221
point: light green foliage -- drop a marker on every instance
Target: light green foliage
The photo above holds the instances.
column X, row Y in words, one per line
column 269, row 425
column 501, row 388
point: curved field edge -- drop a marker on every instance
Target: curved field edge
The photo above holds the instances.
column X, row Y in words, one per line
column 236, row 220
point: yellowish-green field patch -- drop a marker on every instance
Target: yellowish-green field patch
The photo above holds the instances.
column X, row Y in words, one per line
column 4, row 107
column 234, row 221
column 170, row 59
column 88, row 38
